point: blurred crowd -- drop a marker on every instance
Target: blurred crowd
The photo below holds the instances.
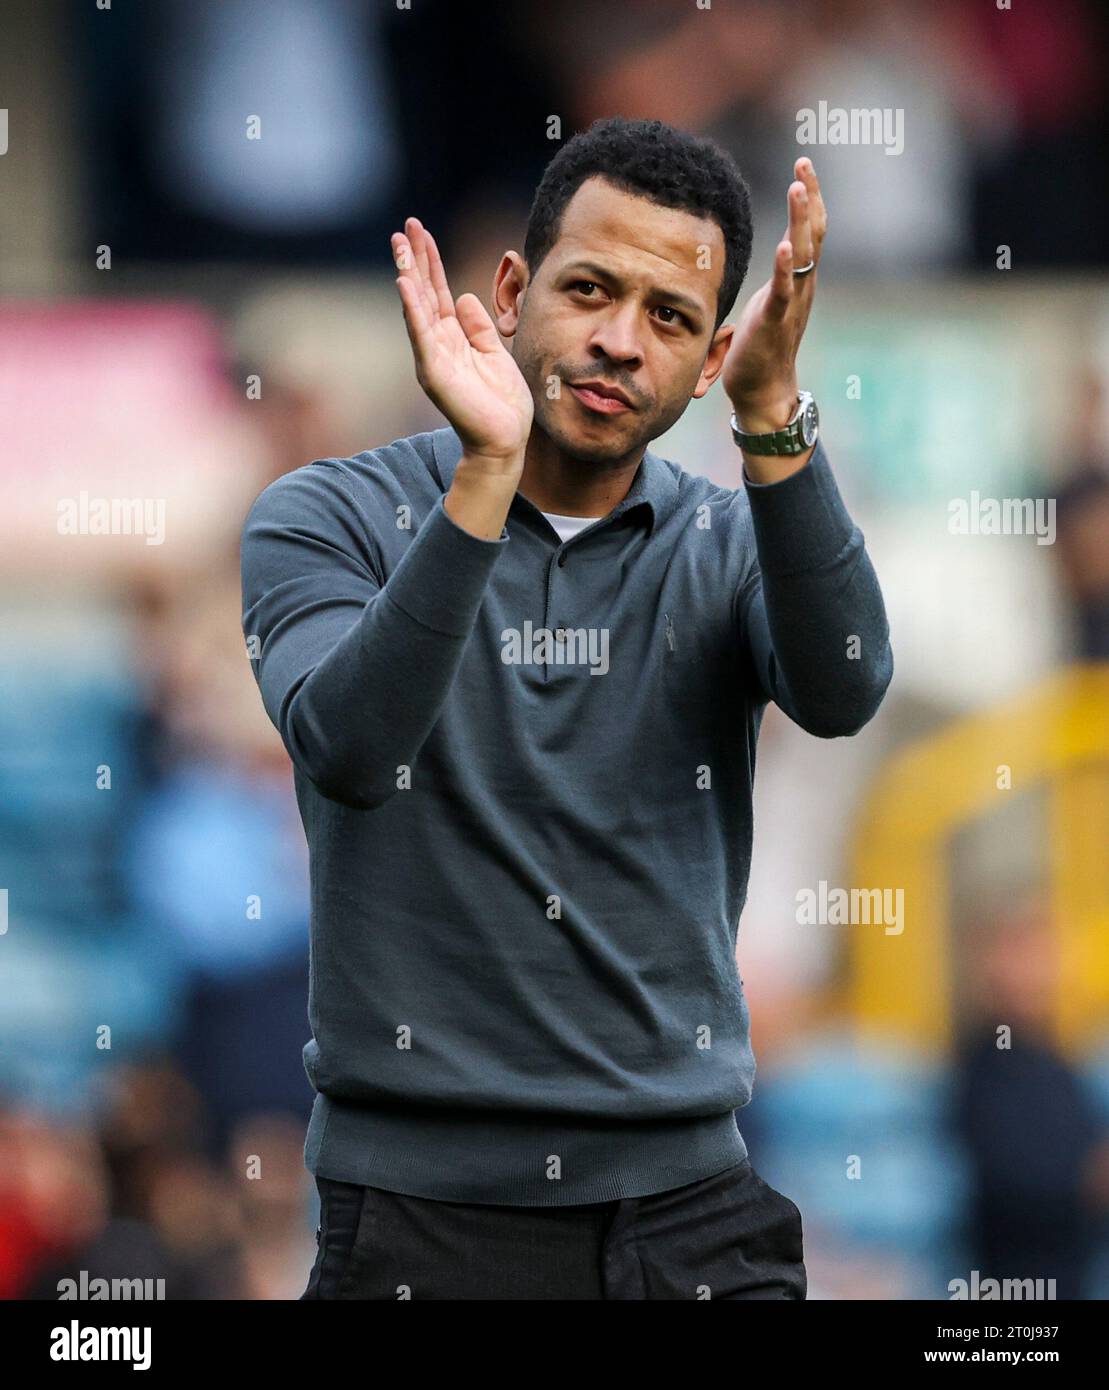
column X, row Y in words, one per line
column 131, row 1192
column 1003, row 113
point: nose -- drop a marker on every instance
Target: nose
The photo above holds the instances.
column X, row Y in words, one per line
column 616, row 335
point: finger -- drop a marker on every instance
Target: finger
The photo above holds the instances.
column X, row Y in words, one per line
column 818, row 213
column 417, row 233
column 439, row 285
column 800, row 231
column 478, row 327
column 404, row 256
column 781, row 282
column 416, row 319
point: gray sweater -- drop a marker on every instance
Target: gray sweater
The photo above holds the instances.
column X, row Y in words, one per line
column 525, row 772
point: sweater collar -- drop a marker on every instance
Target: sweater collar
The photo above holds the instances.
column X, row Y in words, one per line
column 654, row 487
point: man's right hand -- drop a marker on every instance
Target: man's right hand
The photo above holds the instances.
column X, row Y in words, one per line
column 461, row 362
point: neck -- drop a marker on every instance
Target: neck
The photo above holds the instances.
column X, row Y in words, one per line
column 555, row 481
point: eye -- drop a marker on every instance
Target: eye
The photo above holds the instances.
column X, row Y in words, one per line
column 583, row 285
column 678, row 317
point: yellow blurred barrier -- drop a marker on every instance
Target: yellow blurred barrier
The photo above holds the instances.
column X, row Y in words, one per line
column 1055, row 736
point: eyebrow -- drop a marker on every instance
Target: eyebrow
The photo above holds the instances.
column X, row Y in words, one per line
column 676, row 297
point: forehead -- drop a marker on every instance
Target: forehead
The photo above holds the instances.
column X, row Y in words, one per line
column 637, row 235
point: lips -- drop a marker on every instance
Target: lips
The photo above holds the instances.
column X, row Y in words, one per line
column 599, row 396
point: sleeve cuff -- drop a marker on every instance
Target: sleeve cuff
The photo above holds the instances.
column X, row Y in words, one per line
column 441, row 579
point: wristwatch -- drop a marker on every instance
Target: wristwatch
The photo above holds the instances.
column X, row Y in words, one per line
column 800, row 434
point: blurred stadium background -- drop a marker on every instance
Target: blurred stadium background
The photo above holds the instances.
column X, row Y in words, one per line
column 186, row 314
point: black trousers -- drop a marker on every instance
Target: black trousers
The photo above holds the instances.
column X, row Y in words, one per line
column 728, row 1236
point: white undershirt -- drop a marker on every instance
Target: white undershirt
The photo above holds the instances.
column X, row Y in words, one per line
column 568, row 526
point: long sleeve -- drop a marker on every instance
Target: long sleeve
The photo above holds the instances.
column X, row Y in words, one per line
column 354, row 670
column 810, row 607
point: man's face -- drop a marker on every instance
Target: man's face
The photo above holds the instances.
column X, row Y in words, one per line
column 626, row 298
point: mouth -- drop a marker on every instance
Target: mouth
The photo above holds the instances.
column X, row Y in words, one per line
column 604, row 399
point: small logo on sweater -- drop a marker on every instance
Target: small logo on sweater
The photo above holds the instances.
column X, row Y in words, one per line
column 560, row 646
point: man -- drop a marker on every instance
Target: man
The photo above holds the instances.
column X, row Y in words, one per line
column 520, row 664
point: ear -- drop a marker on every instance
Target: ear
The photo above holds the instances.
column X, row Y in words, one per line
column 509, row 284
column 714, row 361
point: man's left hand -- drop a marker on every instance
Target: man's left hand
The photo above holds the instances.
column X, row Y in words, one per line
column 760, row 370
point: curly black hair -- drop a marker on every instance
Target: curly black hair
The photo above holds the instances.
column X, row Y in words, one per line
column 657, row 161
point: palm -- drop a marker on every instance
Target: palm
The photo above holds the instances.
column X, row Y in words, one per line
column 762, row 349
column 460, row 361
column 481, row 391
column 761, row 363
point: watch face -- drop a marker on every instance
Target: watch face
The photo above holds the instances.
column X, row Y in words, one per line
column 809, row 421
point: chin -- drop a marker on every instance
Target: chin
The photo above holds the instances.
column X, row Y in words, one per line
column 600, row 443
column 596, row 450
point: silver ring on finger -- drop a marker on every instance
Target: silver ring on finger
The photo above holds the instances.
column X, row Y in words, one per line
column 805, row 269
